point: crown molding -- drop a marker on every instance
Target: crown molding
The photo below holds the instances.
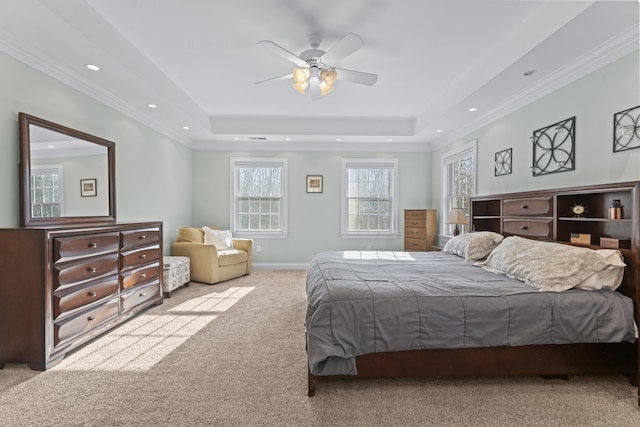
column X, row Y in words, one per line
column 616, row 48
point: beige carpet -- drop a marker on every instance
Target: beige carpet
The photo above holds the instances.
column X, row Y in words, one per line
column 233, row 355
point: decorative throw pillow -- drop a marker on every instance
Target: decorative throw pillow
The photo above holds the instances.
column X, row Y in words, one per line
column 220, row 238
column 473, row 246
column 610, row 277
column 546, row 265
column 190, row 234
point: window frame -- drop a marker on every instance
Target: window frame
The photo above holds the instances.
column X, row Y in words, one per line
column 52, row 169
column 447, row 158
column 237, row 162
column 393, row 208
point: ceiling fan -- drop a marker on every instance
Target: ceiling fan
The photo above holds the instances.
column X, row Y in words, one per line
column 316, row 68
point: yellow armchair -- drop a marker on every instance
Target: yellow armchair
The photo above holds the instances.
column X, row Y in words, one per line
column 208, row 264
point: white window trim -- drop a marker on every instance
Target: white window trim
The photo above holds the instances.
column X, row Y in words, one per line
column 51, row 167
column 257, row 161
column 470, row 147
column 393, row 233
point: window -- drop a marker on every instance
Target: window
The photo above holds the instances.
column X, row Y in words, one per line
column 259, row 197
column 458, row 183
column 369, row 205
column 46, row 191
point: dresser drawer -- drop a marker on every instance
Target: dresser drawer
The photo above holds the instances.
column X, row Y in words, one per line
column 415, row 233
column 528, row 228
column 75, row 297
column 138, row 238
column 140, row 257
column 86, row 245
column 137, row 296
column 541, row 206
column 72, row 273
column 415, row 245
column 140, row 275
column 415, row 214
column 415, row 223
column 83, row 322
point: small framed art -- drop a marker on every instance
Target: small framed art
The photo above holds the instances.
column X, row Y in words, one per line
column 88, row 187
column 314, row 183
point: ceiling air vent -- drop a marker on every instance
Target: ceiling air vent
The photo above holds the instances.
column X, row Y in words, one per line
column 258, row 138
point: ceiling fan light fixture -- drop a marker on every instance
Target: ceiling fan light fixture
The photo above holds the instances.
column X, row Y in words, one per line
column 301, row 75
column 300, row 87
column 325, row 88
column 329, row 76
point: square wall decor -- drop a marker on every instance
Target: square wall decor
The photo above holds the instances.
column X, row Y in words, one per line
column 554, row 148
column 503, row 162
column 626, row 129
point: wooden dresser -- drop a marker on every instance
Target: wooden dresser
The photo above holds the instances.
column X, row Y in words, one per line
column 419, row 229
column 62, row 286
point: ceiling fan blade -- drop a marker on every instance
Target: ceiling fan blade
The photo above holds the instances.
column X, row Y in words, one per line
column 345, row 47
column 279, row 50
column 273, row 79
column 357, row 77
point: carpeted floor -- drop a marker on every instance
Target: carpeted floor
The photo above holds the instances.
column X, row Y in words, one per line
column 233, row 355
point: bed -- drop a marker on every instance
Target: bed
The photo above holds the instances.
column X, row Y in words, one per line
column 455, row 313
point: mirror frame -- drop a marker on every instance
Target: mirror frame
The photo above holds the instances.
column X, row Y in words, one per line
column 25, row 120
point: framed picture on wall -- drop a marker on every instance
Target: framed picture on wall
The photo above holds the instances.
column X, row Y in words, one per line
column 314, row 183
column 88, row 187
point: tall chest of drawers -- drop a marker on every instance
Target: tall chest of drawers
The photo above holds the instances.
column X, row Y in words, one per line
column 63, row 286
column 419, row 229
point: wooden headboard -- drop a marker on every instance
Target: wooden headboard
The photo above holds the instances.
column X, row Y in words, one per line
column 548, row 215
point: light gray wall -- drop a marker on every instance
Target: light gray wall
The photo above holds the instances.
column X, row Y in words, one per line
column 314, row 219
column 593, row 100
column 153, row 172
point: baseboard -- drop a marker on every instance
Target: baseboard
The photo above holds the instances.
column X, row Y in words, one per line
column 279, row 266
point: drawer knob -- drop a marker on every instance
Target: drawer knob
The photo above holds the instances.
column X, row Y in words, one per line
column 92, row 294
column 93, row 245
column 524, row 227
column 524, row 207
column 92, row 269
column 414, row 222
column 143, row 275
column 142, row 294
column 143, row 237
column 91, row 318
column 143, row 256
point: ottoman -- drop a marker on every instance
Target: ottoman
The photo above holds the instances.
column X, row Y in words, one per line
column 176, row 273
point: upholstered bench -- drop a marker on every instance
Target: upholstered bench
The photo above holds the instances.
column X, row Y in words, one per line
column 176, row 273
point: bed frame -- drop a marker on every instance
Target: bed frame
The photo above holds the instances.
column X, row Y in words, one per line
column 543, row 215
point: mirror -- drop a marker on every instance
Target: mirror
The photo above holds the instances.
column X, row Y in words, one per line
column 67, row 177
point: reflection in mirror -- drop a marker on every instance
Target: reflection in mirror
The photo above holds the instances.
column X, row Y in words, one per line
column 59, row 163
column 67, row 175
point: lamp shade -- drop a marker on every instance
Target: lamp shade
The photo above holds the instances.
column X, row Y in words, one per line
column 457, row 216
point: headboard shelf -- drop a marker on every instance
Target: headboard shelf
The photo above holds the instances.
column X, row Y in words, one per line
column 547, row 215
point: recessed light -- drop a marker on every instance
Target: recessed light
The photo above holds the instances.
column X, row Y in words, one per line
column 287, row 139
column 389, row 140
column 152, row 106
column 338, row 139
column 186, row 127
column 236, row 139
column 439, row 130
column 472, row 109
column 92, row 67
column 51, row 146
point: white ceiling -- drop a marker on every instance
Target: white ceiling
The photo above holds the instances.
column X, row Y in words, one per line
column 198, row 61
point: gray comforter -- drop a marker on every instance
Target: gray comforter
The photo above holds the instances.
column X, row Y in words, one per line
column 367, row 302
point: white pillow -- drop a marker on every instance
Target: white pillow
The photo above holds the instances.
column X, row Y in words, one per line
column 473, row 246
column 610, row 277
column 546, row 265
column 220, row 238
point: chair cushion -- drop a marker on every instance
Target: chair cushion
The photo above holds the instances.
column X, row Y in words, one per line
column 190, row 234
column 231, row 256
